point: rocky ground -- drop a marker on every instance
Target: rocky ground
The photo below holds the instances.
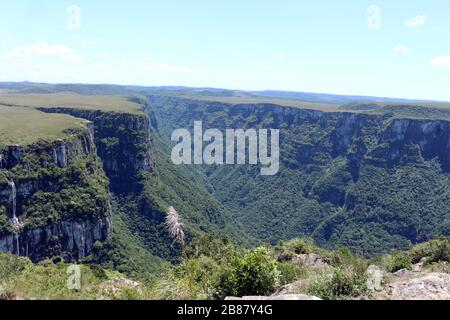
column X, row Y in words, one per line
column 420, row 283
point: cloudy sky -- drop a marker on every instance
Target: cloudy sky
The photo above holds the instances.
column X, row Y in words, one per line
column 379, row 47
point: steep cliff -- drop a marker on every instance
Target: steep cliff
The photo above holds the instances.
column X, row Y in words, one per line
column 124, row 144
column 371, row 182
column 53, row 197
column 145, row 183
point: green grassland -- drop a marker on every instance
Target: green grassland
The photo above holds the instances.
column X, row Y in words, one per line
column 24, row 126
column 326, row 107
column 121, row 104
column 21, row 123
column 412, row 110
column 242, row 98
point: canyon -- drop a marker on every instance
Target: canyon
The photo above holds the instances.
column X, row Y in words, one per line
column 339, row 179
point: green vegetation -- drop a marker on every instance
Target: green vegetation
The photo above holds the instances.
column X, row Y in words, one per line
column 124, row 251
column 143, row 212
column 215, row 268
column 255, row 273
column 435, row 253
column 431, row 110
column 77, row 191
column 25, row 126
column 21, row 279
column 122, row 104
column 343, row 180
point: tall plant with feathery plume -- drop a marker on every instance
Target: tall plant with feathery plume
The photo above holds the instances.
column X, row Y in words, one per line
column 176, row 230
column 175, row 227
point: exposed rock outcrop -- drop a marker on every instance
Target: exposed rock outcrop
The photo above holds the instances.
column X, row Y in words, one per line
column 40, row 155
column 292, row 288
column 276, row 298
column 432, row 286
column 124, row 144
column 432, row 136
column 43, row 167
column 71, row 240
column 311, row 260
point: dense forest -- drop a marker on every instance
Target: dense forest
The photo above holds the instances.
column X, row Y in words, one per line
column 370, row 182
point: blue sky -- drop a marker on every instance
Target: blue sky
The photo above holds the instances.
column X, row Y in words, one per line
column 377, row 47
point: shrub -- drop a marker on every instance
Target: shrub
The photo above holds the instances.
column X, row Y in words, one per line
column 209, row 246
column 290, row 272
column 11, row 265
column 348, row 283
column 441, row 252
column 397, row 261
column 255, row 273
column 301, row 246
column 344, row 283
column 5, row 225
column 342, row 257
column 321, row 287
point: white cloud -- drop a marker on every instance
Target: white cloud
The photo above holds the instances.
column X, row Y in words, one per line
column 432, row 29
column 102, row 65
column 281, row 56
column 71, row 58
column 443, row 62
column 122, row 62
column 165, row 67
column 103, row 55
column 42, row 48
column 402, row 48
column 269, row 68
column 5, row 37
column 85, row 43
column 416, row 21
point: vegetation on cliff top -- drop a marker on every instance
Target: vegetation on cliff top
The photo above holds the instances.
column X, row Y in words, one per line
column 122, row 104
column 24, row 126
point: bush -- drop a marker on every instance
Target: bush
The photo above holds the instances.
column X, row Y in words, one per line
column 301, row 246
column 397, row 261
column 321, row 287
column 290, row 272
column 11, row 265
column 344, row 283
column 441, row 252
column 255, row 273
column 348, row 283
column 343, row 257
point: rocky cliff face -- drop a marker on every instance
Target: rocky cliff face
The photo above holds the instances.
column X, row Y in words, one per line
column 371, row 182
column 432, row 137
column 58, row 152
column 124, row 144
column 72, row 240
column 35, row 183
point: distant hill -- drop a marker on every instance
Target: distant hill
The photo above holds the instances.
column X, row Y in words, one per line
column 111, row 89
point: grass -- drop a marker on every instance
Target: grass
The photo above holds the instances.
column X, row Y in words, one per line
column 24, row 126
column 72, row 100
column 326, row 107
column 21, row 279
column 235, row 98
